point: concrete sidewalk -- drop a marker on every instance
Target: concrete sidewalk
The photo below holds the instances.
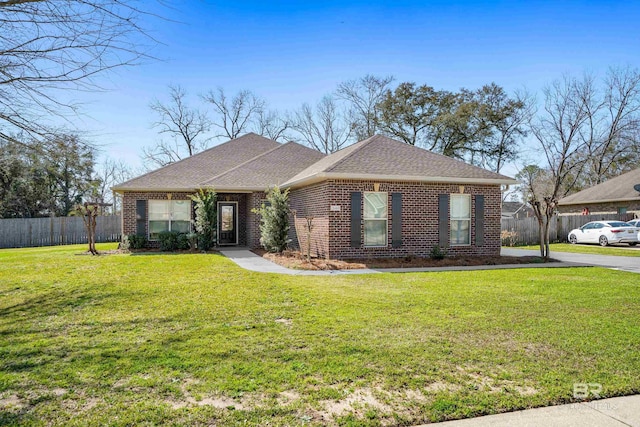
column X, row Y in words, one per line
column 250, row 261
column 614, row 412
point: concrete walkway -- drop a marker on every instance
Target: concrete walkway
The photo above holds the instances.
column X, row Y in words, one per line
column 250, row 261
column 614, row 412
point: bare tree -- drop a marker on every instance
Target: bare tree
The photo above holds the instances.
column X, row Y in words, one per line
column 324, row 128
column 184, row 125
column 560, row 131
column 161, row 154
column 236, row 115
column 363, row 96
column 108, row 174
column 48, row 46
column 613, row 140
column 271, row 124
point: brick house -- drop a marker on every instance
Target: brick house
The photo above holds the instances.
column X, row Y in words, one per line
column 376, row 198
column 614, row 196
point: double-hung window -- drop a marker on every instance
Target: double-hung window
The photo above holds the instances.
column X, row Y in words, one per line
column 169, row 215
column 375, row 218
column 460, row 211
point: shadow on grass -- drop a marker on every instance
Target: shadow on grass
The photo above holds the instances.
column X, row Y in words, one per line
column 186, row 252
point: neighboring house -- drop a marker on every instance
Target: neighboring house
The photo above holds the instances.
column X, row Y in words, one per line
column 516, row 210
column 376, row 198
column 614, row 196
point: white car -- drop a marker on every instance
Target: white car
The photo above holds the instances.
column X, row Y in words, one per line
column 634, row 222
column 605, row 233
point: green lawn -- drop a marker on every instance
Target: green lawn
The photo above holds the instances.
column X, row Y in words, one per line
column 192, row 339
column 587, row 249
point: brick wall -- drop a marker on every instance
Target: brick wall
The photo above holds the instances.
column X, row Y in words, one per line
column 419, row 218
column 129, row 210
column 254, row 201
column 311, row 201
column 331, row 231
column 633, row 207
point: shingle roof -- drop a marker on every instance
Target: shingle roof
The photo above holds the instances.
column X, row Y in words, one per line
column 271, row 168
column 381, row 158
column 187, row 174
column 615, row 189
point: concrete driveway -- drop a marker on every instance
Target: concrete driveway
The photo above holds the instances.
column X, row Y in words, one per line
column 625, row 263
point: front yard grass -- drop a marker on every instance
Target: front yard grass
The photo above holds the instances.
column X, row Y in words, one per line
column 192, row 339
column 586, row 249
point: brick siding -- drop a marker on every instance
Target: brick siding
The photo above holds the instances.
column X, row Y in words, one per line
column 332, row 239
column 129, row 209
column 312, row 201
column 633, row 207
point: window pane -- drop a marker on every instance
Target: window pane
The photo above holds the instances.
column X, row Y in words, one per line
column 460, row 232
column 460, row 206
column 226, row 216
column 375, row 205
column 180, row 226
column 159, row 210
column 156, row 227
column 375, row 232
column 181, row 210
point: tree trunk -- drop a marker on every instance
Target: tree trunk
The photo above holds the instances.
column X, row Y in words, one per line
column 546, row 238
column 541, row 235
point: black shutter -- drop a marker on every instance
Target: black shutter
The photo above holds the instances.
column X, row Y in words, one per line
column 479, row 220
column 356, row 220
column 396, row 225
column 443, row 220
column 141, row 217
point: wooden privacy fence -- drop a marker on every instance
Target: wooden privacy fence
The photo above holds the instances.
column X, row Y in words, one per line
column 518, row 232
column 25, row 232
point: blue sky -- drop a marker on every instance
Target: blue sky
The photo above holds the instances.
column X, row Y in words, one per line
column 294, row 52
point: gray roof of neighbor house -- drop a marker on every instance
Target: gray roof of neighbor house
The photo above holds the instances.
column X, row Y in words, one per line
column 190, row 173
column 383, row 158
column 618, row 189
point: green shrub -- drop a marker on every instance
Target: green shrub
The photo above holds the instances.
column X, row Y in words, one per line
column 173, row 241
column 206, row 217
column 274, row 220
column 168, row 240
column 136, row 241
column 183, row 241
column 438, row 253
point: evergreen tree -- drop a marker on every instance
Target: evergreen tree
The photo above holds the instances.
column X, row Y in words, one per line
column 206, row 217
column 274, row 220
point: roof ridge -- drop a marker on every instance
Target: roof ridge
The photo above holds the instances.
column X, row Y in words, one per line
column 362, row 143
column 247, row 161
column 199, row 154
column 444, row 156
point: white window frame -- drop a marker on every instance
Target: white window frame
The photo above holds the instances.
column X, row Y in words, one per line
column 385, row 219
column 170, row 219
column 459, row 219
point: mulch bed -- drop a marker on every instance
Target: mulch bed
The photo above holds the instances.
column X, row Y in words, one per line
column 296, row 260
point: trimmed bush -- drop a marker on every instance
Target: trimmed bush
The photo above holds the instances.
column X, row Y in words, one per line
column 438, row 253
column 136, row 242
